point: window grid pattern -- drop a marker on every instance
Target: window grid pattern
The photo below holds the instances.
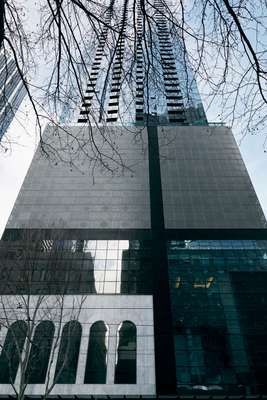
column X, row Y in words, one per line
column 117, row 92
column 218, row 298
column 117, row 71
column 139, row 101
column 100, row 267
column 12, row 91
column 175, row 106
column 90, row 92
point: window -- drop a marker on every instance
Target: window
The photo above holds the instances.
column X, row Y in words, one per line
column 125, row 371
column 68, row 355
column 175, row 111
column 9, row 359
column 96, row 364
column 40, row 352
column 175, row 104
column 178, row 120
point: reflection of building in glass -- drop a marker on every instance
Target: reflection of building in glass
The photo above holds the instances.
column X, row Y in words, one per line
column 136, row 268
column 150, row 266
column 12, row 91
column 61, row 269
column 218, row 297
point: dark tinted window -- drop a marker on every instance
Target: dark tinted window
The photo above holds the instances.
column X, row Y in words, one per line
column 10, row 354
column 125, row 371
column 68, row 355
column 96, row 365
column 40, row 352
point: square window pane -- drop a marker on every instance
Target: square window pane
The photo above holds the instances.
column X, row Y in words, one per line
column 111, row 276
column 111, row 264
column 124, row 244
column 89, row 245
column 100, row 254
column 113, row 244
column 101, row 244
column 110, row 287
column 112, row 254
column 99, row 264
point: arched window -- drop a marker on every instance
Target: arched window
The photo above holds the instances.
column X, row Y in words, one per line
column 40, row 352
column 11, row 351
column 68, row 355
column 125, row 371
column 96, row 364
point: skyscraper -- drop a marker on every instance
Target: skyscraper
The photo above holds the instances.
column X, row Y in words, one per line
column 12, row 91
column 136, row 266
column 160, row 83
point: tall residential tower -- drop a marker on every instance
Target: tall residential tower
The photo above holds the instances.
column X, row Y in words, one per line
column 12, row 91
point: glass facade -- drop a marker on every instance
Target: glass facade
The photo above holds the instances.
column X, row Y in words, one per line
column 76, row 267
column 218, row 299
column 217, row 293
column 12, row 91
column 141, row 71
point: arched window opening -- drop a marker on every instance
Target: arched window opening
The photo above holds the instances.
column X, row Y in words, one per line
column 125, row 371
column 96, row 364
column 40, row 352
column 68, row 355
column 11, row 351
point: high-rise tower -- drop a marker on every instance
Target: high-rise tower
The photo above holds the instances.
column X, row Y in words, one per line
column 12, row 91
column 136, row 261
column 140, row 70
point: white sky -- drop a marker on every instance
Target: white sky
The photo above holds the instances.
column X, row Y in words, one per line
column 15, row 162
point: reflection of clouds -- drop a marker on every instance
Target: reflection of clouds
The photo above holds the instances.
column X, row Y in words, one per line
column 107, row 263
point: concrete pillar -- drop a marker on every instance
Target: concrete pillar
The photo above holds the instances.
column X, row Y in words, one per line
column 83, row 354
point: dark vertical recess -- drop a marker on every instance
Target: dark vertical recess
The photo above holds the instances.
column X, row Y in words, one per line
column 40, row 352
column 164, row 346
column 68, row 355
column 125, row 370
column 96, row 364
column 11, row 351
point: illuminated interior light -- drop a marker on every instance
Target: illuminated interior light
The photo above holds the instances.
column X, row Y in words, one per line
column 204, row 285
column 177, row 282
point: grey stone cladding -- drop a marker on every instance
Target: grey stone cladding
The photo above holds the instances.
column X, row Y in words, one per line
column 205, row 183
column 93, row 180
column 104, row 183
column 113, row 310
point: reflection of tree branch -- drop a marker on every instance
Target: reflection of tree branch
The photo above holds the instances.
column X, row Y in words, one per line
column 247, row 43
column 213, row 37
